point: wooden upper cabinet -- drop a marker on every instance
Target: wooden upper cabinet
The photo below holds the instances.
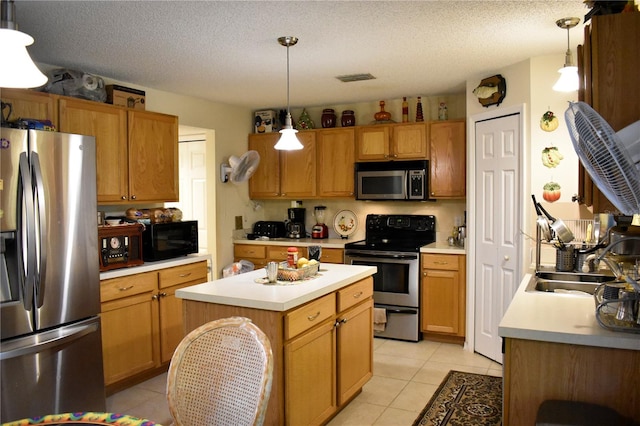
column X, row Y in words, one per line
column 265, row 182
column 109, row 126
column 448, row 159
column 30, row 104
column 608, row 65
column 153, row 156
column 392, row 142
column 372, row 143
column 298, row 168
column 336, row 155
column 409, row 141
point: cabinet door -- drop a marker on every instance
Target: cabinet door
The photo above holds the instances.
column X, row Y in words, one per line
column 332, row 255
column 265, row 182
column 171, row 323
column 336, row 155
column 129, row 336
column 409, row 141
column 153, row 157
column 30, row 104
column 298, row 169
column 108, row 124
column 440, row 296
column 448, row 159
column 310, row 371
column 372, row 143
column 355, row 350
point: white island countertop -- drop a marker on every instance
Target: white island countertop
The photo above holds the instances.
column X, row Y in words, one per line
column 242, row 290
column 559, row 318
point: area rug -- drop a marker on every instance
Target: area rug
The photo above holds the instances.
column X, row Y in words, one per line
column 464, row 399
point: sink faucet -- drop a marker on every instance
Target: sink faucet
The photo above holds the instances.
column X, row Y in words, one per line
column 615, row 267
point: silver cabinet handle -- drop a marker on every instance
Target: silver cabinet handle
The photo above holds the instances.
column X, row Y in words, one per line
column 125, row 288
column 313, row 317
column 357, row 295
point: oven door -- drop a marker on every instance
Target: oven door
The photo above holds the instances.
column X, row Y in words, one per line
column 396, row 282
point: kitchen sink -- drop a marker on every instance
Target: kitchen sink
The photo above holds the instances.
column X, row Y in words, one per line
column 567, row 282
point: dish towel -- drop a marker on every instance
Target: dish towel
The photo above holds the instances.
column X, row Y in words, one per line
column 379, row 319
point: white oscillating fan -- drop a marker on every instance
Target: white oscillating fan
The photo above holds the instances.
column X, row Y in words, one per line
column 240, row 169
column 611, row 159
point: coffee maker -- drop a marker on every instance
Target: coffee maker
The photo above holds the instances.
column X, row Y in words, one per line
column 295, row 224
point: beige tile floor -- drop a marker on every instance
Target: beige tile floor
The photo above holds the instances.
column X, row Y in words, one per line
column 405, row 376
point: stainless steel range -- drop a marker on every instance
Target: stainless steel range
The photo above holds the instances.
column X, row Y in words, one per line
column 392, row 243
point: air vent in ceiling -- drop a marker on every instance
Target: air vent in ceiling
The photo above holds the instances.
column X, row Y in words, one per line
column 355, row 77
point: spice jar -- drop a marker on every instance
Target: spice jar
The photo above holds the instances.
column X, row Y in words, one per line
column 328, row 118
column 348, row 118
column 292, row 257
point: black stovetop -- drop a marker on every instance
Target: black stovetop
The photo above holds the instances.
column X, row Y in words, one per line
column 396, row 233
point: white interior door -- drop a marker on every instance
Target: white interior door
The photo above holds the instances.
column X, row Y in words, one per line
column 497, row 225
column 193, row 186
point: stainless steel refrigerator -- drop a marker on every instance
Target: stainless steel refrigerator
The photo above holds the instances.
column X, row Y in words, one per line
column 50, row 348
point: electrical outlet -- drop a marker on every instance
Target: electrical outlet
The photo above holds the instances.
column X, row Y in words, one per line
column 238, row 222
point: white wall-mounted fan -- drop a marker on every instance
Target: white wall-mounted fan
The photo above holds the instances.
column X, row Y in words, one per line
column 240, row 169
column 611, row 159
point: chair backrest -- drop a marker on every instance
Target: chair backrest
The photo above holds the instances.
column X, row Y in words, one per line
column 221, row 374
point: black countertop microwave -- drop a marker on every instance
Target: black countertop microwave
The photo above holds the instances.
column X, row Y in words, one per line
column 392, row 180
column 162, row 241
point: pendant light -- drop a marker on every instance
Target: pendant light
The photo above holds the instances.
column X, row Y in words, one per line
column 288, row 140
column 568, row 81
column 18, row 69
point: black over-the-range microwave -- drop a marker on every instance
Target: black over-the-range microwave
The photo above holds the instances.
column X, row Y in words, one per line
column 392, row 180
column 162, row 241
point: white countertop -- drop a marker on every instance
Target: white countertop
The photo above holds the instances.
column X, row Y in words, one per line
column 300, row 242
column 154, row 266
column 442, row 247
column 242, row 290
column 559, row 318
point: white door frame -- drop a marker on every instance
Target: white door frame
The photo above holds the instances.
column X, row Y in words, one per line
column 471, row 207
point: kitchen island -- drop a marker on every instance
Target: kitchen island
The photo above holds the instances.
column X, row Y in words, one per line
column 555, row 349
column 320, row 329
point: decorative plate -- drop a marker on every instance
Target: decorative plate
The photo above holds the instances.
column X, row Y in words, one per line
column 345, row 223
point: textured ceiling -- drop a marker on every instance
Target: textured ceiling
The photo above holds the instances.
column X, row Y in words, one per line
column 227, row 51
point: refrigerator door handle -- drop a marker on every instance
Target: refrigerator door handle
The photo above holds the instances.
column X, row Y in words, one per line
column 40, row 230
column 25, row 233
column 37, row 343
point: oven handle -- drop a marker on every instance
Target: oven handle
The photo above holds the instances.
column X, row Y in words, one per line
column 369, row 255
column 402, row 311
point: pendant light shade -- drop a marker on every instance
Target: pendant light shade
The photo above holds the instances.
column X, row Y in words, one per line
column 18, row 69
column 288, row 140
column 568, row 81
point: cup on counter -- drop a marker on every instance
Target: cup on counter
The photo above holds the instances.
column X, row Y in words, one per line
column 272, row 272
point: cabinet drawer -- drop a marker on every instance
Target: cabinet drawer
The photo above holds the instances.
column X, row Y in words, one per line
column 332, row 255
column 117, row 288
column 248, row 250
column 279, row 253
column 355, row 293
column 183, row 274
column 309, row 315
column 447, row 262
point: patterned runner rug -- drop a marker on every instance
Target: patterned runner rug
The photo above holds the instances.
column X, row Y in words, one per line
column 464, row 399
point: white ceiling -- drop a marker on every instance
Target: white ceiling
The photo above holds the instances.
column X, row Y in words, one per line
column 227, row 51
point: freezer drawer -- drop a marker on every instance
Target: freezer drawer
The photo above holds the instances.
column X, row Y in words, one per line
column 55, row 371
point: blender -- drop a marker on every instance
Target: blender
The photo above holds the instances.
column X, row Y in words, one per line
column 319, row 230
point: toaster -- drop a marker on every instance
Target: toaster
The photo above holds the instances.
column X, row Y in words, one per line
column 271, row 229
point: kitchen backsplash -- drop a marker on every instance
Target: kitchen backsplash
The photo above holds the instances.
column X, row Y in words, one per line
column 445, row 211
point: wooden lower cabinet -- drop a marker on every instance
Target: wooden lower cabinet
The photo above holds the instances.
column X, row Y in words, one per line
column 142, row 321
column 536, row 371
column 443, row 294
column 322, row 351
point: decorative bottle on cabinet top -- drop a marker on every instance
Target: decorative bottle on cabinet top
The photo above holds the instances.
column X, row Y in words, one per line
column 405, row 110
column 382, row 115
column 419, row 116
column 443, row 114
